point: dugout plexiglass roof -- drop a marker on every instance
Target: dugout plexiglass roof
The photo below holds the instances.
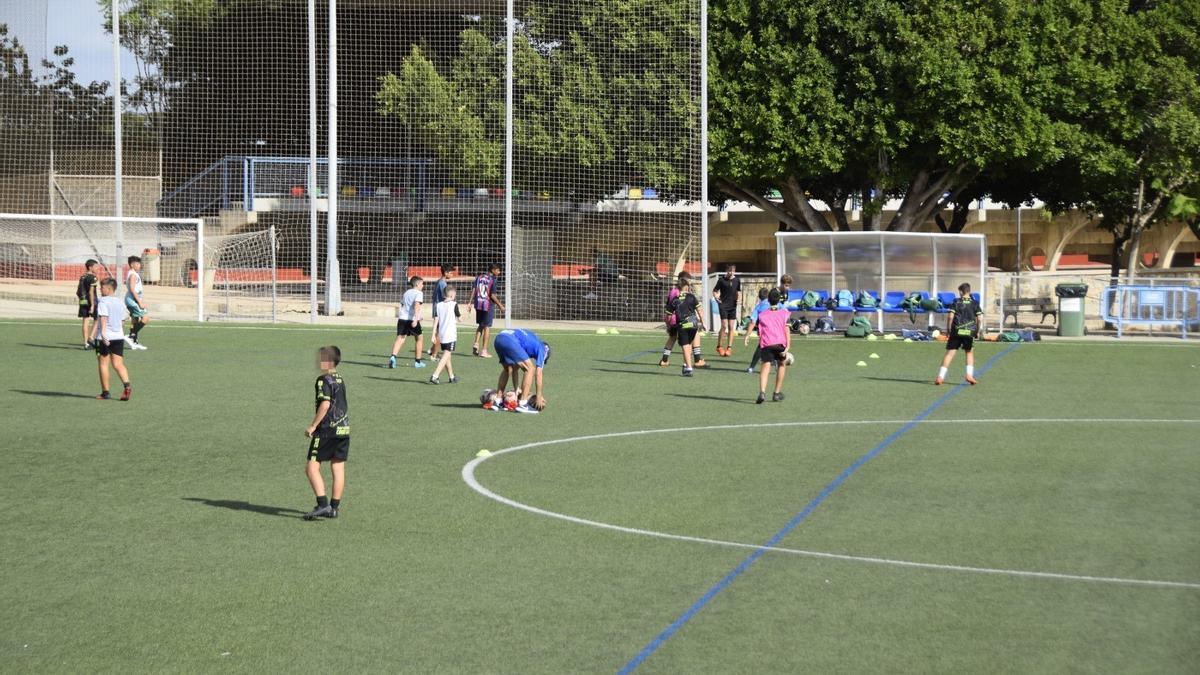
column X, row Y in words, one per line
column 882, row 262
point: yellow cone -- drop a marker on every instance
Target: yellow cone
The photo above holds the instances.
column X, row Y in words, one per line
column 861, row 364
column 484, row 453
column 873, row 356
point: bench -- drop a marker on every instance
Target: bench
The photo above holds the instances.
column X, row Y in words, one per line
column 1047, row 306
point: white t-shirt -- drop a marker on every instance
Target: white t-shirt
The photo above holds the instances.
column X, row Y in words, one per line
column 113, row 308
column 408, row 304
column 133, row 284
column 447, row 321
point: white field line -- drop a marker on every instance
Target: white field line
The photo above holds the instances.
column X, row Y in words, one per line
column 468, row 475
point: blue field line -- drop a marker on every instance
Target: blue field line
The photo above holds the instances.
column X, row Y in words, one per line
column 728, row 579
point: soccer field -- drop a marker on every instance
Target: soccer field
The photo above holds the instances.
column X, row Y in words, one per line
column 1047, row 520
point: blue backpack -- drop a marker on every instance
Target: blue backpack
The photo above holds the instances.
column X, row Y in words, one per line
column 845, row 299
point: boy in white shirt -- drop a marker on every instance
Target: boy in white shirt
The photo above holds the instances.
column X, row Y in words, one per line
column 409, row 322
column 110, row 338
column 135, row 302
column 446, row 332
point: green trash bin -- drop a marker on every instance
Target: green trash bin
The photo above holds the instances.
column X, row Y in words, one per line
column 1070, row 309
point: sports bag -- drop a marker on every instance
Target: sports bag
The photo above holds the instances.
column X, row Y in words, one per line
column 859, row 327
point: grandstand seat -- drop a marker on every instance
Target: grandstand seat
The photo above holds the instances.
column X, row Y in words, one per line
column 635, row 193
column 947, row 299
column 873, row 294
column 364, row 274
column 891, row 302
column 980, row 301
column 448, row 193
column 650, row 193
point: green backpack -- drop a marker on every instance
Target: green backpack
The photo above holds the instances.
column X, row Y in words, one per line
column 810, row 300
column 866, row 300
column 860, row 326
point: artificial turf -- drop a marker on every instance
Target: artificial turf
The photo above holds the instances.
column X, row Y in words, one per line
column 164, row 534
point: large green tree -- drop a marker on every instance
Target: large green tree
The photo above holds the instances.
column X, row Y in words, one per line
column 925, row 101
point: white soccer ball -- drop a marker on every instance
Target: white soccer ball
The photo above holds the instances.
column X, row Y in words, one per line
column 789, row 358
column 486, row 396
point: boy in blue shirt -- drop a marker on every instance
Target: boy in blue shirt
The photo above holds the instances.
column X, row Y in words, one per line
column 523, row 349
column 762, row 306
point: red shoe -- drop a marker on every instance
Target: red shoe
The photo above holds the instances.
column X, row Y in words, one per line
column 127, row 393
column 938, row 381
column 970, row 380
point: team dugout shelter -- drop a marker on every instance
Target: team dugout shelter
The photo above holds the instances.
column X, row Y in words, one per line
column 888, row 267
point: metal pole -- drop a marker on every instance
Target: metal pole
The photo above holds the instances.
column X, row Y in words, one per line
column 882, row 277
column 704, row 153
column 274, row 278
column 200, row 270
column 1020, row 256
column 510, row 23
column 312, row 161
column 118, row 172
column 333, row 291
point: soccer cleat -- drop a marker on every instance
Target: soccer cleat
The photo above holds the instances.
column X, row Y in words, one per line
column 391, row 362
column 433, row 380
column 127, row 394
column 474, row 350
column 418, row 364
column 526, row 408
column 701, row 363
column 664, row 362
column 687, row 372
column 971, row 380
column 103, row 396
column 762, row 396
column 777, row 396
column 453, row 380
column 137, row 346
column 750, row 371
column 88, row 345
column 729, row 351
column 938, row 380
column 321, row 512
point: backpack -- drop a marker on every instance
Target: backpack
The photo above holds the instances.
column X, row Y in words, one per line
column 799, row 326
column 845, row 299
column 859, row 327
column 824, row 325
column 810, row 300
column 866, row 300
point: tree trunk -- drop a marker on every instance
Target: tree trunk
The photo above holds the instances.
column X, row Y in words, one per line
column 1119, row 238
column 738, row 192
column 837, row 206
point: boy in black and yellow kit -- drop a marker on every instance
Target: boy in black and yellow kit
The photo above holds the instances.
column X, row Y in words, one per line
column 330, row 434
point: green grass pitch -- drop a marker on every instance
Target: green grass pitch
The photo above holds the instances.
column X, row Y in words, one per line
column 162, row 535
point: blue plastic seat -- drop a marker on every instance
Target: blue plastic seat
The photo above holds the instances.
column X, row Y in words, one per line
column 874, row 296
column 891, row 302
column 947, row 299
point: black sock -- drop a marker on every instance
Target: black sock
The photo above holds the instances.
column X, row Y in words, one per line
column 322, row 501
column 335, row 503
column 126, row 384
column 696, row 353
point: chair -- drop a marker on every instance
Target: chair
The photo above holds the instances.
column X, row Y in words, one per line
column 947, row 299
column 874, row 296
column 891, row 302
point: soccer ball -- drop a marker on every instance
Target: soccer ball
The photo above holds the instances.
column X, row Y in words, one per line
column 486, row 397
column 788, row 358
column 510, row 400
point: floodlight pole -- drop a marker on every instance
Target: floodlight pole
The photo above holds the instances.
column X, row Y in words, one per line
column 333, row 290
column 118, row 170
column 704, row 157
column 312, row 161
column 510, row 22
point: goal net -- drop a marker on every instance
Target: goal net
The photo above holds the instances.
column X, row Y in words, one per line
column 185, row 274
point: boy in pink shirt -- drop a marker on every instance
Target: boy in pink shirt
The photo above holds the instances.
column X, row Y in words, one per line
column 774, row 339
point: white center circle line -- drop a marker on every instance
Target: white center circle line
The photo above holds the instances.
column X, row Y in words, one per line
column 468, row 475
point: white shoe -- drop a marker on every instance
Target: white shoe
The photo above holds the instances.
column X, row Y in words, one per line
column 139, row 346
column 527, row 409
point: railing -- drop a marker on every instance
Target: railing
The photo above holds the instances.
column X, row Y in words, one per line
column 1150, row 306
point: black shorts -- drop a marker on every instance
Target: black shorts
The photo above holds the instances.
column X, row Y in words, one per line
column 672, row 329
column 87, row 312
column 448, row 347
column 729, row 313
column 772, row 354
column 408, row 328
column 113, row 348
column 484, row 317
column 326, row 448
column 963, row 342
column 685, row 336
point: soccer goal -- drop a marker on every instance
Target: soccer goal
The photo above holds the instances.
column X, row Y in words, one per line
column 188, row 273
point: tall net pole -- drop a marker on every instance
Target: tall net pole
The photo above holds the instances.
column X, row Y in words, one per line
column 510, row 22
column 118, row 170
column 311, row 183
column 333, row 295
column 704, row 154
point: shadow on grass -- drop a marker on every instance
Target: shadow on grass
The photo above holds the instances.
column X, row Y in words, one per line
column 397, row 379
column 247, row 506
column 656, row 372
column 72, row 347
column 677, row 362
column 708, row 397
column 915, row 380
column 53, row 394
column 473, row 406
column 377, row 364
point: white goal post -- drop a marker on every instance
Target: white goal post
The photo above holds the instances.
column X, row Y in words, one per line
column 234, row 275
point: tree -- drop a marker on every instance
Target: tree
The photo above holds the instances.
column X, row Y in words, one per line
column 925, row 101
column 1136, row 108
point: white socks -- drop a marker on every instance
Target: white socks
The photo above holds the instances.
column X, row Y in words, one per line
column 942, row 372
column 970, row 371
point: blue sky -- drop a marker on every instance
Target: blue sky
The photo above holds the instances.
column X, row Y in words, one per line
column 75, row 23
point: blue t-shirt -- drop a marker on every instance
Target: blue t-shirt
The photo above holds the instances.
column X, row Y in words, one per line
column 762, row 306
column 439, row 291
column 515, row 345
